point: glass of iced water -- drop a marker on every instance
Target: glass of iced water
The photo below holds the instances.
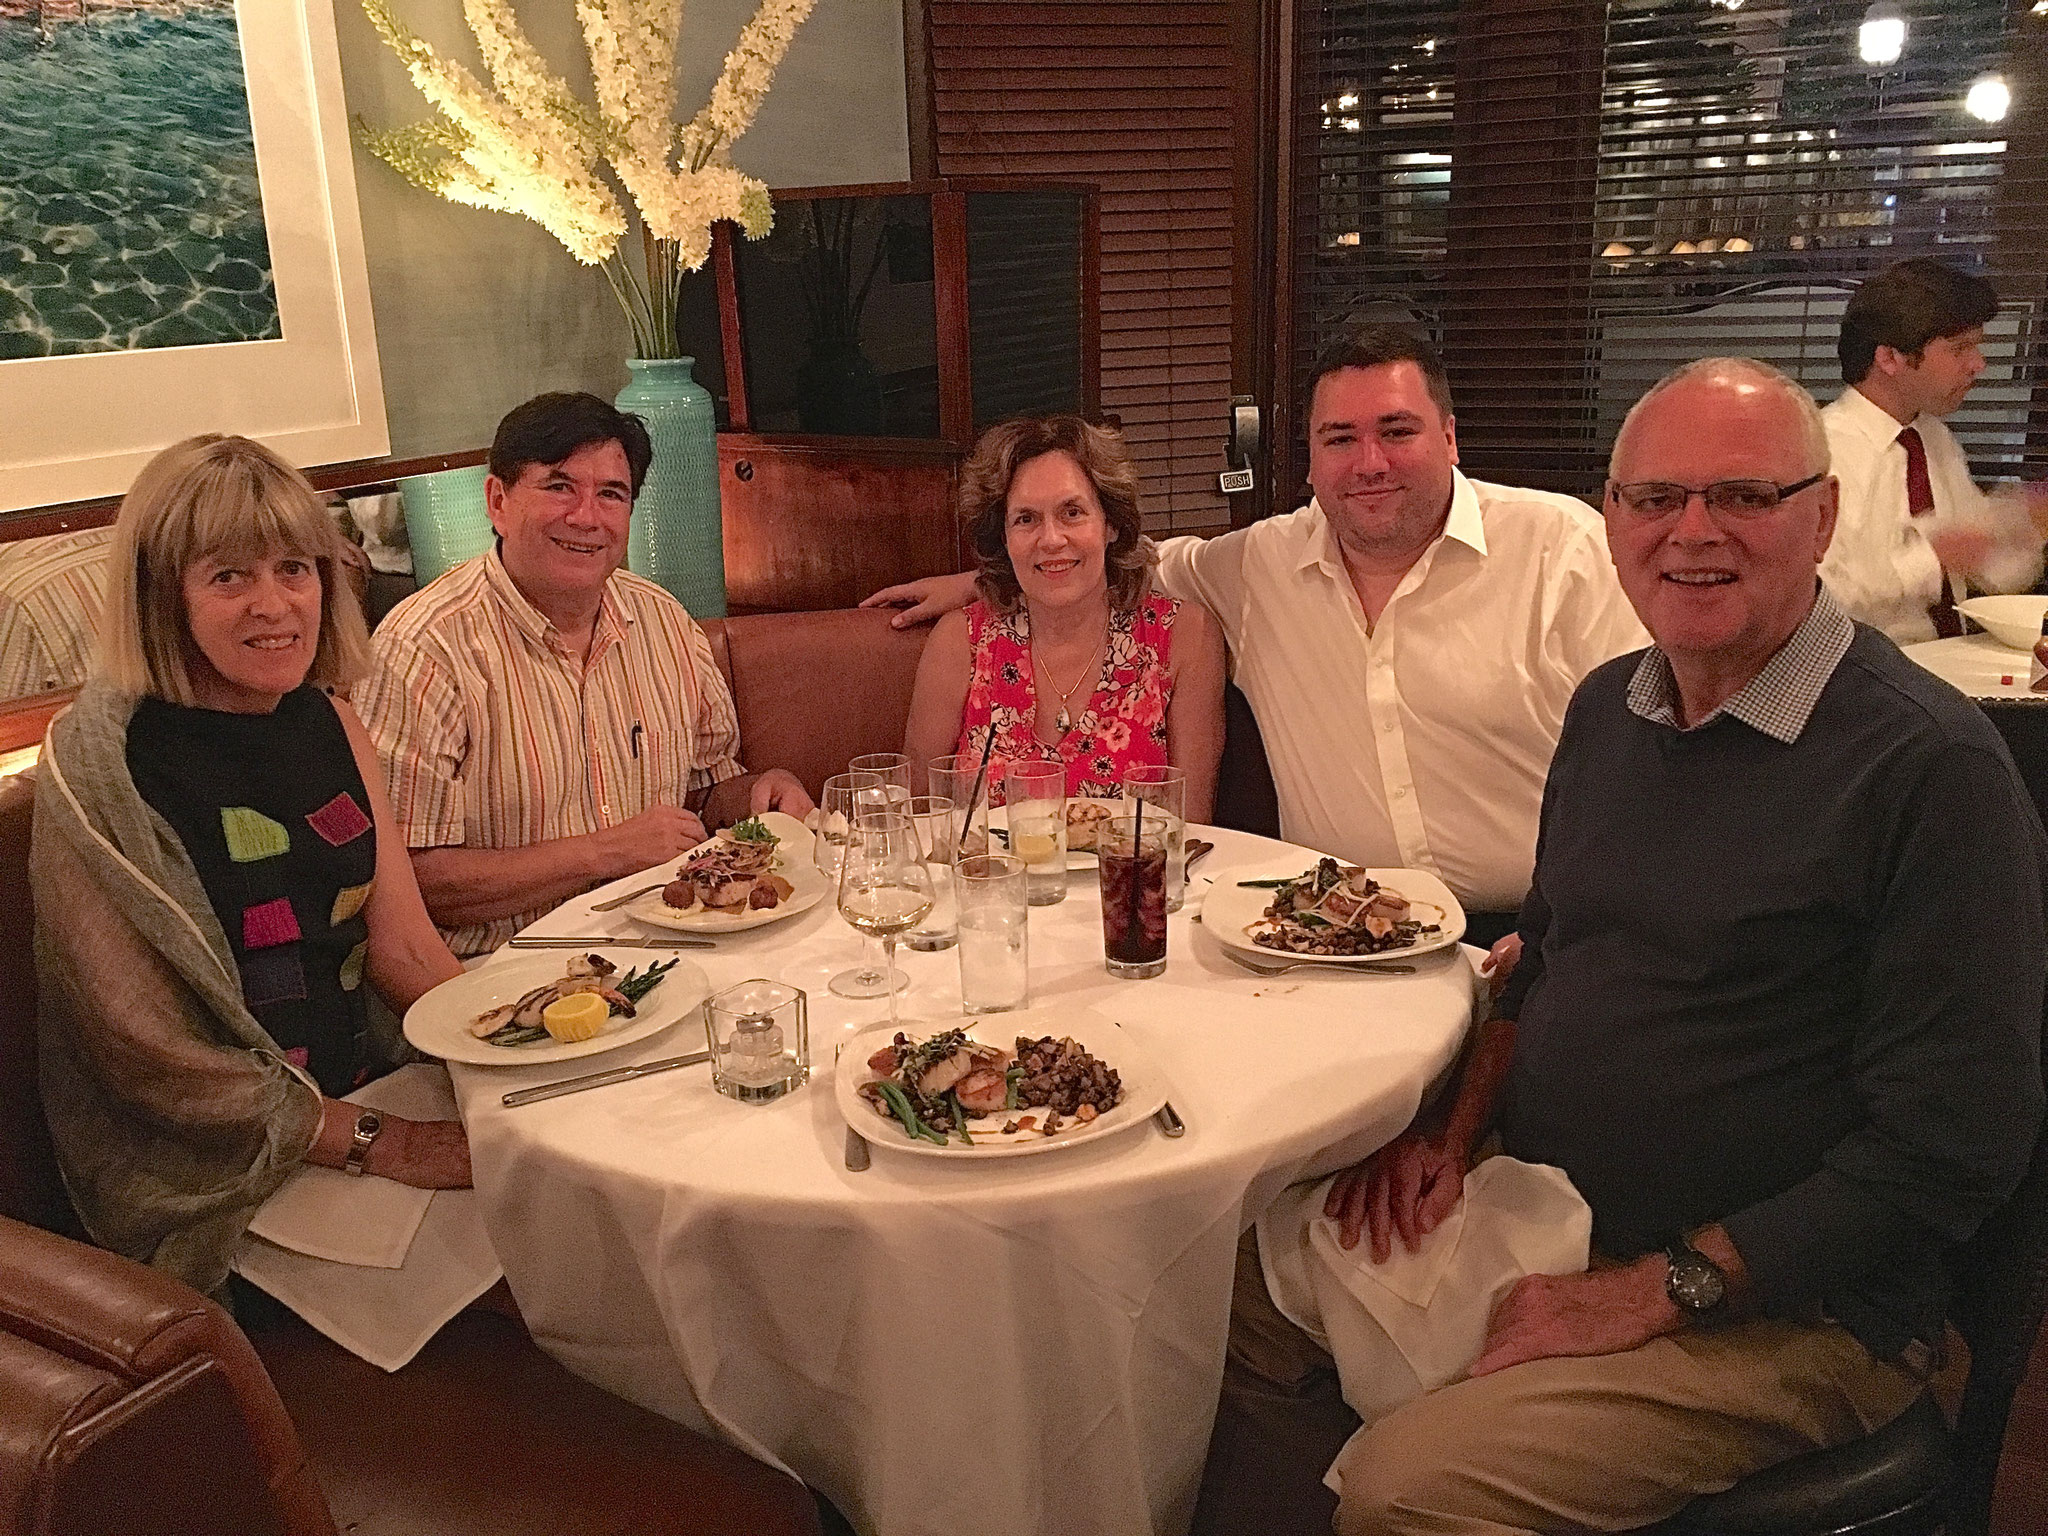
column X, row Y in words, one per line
column 938, row 836
column 1035, row 795
column 995, row 938
column 1165, row 793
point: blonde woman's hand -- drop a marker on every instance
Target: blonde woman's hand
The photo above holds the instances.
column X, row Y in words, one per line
column 427, row 1154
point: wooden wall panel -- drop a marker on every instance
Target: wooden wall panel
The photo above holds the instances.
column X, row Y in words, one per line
column 1136, row 99
column 820, row 523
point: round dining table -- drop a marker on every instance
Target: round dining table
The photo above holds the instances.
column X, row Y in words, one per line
column 1019, row 1347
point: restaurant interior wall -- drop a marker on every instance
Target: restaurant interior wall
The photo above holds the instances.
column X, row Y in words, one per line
column 477, row 311
column 1573, row 196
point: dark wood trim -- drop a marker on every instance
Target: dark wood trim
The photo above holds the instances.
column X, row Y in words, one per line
column 23, row 721
column 1091, row 303
column 934, row 187
column 1283, row 411
column 1259, row 309
column 70, row 516
column 871, row 450
column 732, row 343
column 920, row 104
column 949, row 297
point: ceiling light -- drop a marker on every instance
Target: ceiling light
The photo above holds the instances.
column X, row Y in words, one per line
column 1990, row 98
column 1882, row 37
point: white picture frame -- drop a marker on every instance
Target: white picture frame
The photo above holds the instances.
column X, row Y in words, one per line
column 80, row 426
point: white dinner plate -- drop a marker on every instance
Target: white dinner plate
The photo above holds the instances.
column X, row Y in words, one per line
column 439, row 1022
column 1076, row 858
column 793, row 856
column 1229, row 909
column 1144, row 1086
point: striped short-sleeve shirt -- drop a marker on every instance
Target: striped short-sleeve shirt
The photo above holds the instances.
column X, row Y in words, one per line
column 493, row 734
column 51, row 594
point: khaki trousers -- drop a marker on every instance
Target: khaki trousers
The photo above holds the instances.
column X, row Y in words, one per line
column 1603, row 1443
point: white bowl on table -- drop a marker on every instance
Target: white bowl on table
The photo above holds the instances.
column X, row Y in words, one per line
column 2013, row 621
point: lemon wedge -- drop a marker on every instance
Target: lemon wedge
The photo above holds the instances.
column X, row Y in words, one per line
column 576, row 1017
column 1033, row 847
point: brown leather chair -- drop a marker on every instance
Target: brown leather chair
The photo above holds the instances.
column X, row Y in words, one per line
column 815, row 690
column 135, row 1405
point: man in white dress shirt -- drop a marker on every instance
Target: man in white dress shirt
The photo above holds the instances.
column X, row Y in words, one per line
column 1409, row 640
column 1914, row 527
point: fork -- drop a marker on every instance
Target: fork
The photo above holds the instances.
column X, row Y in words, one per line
column 1382, row 967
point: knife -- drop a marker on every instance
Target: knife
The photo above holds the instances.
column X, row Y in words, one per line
column 602, row 1079
column 602, row 941
column 1168, row 1120
column 619, row 901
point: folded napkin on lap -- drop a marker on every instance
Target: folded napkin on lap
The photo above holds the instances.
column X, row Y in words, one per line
column 1416, row 1322
column 326, row 1214
column 376, row 1266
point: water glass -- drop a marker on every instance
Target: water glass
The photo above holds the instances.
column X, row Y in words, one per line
column 938, row 837
column 1036, row 795
column 1165, row 793
column 893, row 769
column 953, row 776
column 1131, row 859
column 995, row 935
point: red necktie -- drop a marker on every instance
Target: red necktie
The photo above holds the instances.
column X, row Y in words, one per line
column 1920, row 502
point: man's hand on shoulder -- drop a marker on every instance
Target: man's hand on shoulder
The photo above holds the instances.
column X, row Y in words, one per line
column 1598, row 1312
column 779, row 790
column 1406, row 1188
column 923, row 600
column 657, row 833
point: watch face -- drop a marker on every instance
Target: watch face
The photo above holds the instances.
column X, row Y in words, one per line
column 369, row 1123
column 1695, row 1283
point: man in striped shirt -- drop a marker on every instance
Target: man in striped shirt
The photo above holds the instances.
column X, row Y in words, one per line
column 546, row 720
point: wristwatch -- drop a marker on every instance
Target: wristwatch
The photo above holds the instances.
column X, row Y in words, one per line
column 369, row 1126
column 1695, row 1283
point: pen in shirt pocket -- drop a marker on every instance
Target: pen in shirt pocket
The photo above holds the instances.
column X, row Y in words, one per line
column 637, row 728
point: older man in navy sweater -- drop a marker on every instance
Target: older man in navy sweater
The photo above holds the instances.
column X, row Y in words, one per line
column 1778, row 1017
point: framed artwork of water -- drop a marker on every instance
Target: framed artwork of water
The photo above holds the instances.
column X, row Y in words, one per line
column 180, row 246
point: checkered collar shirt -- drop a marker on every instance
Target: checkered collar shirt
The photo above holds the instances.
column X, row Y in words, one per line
column 1780, row 699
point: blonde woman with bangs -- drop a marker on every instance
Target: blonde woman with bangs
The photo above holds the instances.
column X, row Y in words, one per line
column 216, row 877
column 1069, row 654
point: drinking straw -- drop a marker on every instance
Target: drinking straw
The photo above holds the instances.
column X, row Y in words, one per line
column 1137, row 851
column 988, row 747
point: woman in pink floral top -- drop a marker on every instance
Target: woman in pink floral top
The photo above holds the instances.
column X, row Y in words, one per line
column 1067, row 655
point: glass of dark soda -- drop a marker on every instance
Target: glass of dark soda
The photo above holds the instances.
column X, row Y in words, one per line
column 1131, row 859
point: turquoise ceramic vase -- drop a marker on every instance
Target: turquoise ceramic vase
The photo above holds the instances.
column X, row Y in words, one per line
column 678, row 537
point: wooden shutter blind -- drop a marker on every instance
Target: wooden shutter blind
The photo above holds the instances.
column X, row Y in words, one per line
column 1575, row 196
column 1134, row 98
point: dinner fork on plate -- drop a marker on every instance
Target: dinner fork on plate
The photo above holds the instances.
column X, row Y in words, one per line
column 1383, row 967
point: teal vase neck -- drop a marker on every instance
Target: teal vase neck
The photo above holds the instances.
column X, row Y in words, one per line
column 663, row 368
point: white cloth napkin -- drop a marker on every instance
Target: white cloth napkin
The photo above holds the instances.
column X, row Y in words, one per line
column 1416, row 1322
column 383, row 1312
column 326, row 1214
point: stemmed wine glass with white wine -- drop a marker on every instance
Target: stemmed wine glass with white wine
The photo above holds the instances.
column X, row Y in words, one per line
column 884, row 884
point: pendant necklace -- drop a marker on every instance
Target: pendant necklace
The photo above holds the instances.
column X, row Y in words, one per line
column 1065, row 721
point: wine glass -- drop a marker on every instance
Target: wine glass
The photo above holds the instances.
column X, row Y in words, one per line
column 844, row 798
column 884, row 886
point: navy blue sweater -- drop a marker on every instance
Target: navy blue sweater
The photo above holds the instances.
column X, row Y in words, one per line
column 1795, row 989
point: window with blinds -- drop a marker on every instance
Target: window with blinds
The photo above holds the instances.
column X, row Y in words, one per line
column 1573, row 198
column 1133, row 97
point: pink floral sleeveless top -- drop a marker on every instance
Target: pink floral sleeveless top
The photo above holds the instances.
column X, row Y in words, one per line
column 1122, row 725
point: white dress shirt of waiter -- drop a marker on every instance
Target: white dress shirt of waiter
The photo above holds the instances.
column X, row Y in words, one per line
column 1410, row 639
column 546, row 721
column 1911, row 347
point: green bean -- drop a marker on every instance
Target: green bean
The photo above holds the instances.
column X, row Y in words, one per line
column 899, row 1105
column 1265, row 885
column 960, row 1117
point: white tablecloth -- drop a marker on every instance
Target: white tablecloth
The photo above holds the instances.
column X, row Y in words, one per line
column 1979, row 666
column 1032, row 1346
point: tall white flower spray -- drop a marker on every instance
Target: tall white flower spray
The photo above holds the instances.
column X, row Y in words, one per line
column 526, row 143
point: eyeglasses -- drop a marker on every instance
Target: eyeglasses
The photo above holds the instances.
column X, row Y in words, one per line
column 1729, row 498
